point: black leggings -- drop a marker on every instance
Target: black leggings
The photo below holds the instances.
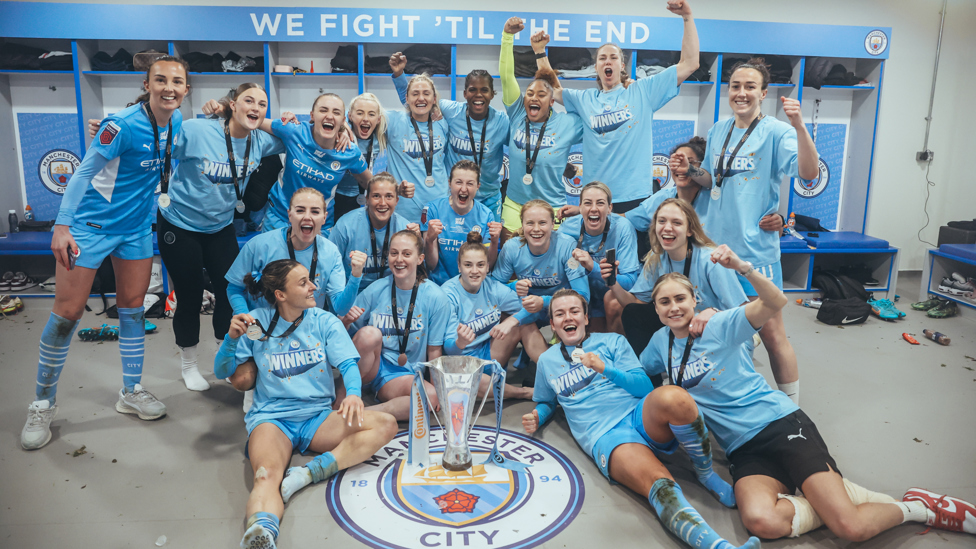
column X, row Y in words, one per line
column 186, row 254
column 640, row 322
column 342, row 205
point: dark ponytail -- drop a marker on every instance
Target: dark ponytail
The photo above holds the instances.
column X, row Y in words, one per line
column 144, row 97
column 273, row 277
column 226, row 113
column 475, row 242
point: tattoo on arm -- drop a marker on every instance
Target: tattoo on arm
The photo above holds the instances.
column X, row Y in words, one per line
column 696, row 171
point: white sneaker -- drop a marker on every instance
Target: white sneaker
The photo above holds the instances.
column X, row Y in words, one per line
column 140, row 402
column 37, row 430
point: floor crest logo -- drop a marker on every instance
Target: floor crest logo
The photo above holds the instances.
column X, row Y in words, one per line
column 386, row 504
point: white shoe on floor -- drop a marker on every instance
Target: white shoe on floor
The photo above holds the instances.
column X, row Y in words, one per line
column 140, row 402
column 37, row 430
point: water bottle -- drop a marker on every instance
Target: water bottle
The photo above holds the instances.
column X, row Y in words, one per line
column 937, row 337
column 13, row 222
column 790, row 227
column 811, row 303
column 28, row 213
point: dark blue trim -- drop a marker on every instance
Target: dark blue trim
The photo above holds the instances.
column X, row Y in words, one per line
column 24, row 71
column 874, row 142
column 454, row 71
column 78, row 105
column 362, row 68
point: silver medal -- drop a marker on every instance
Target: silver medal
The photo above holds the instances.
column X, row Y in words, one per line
column 527, row 179
column 163, row 200
column 254, row 332
column 240, row 206
column 573, row 263
column 361, row 200
column 716, row 193
column 577, row 355
column 429, row 181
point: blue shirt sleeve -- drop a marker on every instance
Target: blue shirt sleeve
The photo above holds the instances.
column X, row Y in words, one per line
column 658, row 89
column 504, row 266
column 238, row 299
column 627, row 255
column 351, row 377
column 225, row 362
column 786, row 157
column 400, row 82
column 443, row 320
column 581, row 285
column 93, row 163
column 634, row 382
column 725, row 285
column 652, row 357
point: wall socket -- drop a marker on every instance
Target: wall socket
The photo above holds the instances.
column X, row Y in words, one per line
column 924, row 156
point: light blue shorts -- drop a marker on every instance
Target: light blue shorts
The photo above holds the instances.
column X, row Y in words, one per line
column 630, row 430
column 387, row 373
column 772, row 272
column 483, row 352
column 300, row 433
column 494, row 203
column 96, row 247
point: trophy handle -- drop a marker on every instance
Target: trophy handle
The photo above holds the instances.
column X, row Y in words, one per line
column 491, row 384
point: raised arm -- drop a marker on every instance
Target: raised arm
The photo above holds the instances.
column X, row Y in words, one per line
column 539, row 42
column 689, row 42
column 506, row 62
column 771, row 299
column 807, row 157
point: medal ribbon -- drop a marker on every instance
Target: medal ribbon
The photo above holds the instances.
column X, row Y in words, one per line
column 722, row 167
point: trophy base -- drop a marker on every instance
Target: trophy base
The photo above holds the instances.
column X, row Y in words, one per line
column 456, row 466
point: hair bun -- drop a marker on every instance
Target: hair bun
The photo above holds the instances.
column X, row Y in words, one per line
column 474, row 237
column 698, row 140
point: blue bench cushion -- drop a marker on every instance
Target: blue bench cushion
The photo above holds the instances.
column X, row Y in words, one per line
column 790, row 242
column 843, row 240
column 964, row 251
column 26, row 241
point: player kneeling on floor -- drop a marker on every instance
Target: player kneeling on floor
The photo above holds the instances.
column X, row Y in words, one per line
column 598, row 381
column 287, row 358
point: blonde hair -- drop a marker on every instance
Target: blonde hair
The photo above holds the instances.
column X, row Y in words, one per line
column 534, row 203
column 696, row 234
column 306, row 190
column 420, row 78
column 380, row 130
column 600, row 186
column 623, row 62
column 672, row 277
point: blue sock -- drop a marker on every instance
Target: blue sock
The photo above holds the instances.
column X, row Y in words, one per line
column 132, row 345
column 267, row 521
column 694, row 439
column 678, row 516
column 55, row 340
column 323, row 467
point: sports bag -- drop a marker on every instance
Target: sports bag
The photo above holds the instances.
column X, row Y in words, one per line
column 841, row 312
column 834, row 285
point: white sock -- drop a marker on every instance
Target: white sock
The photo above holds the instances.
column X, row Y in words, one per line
column 915, row 511
column 792, row 390
column 191, row 374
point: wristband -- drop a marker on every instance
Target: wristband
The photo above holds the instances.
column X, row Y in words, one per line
column 747, row 269
column 541, row 55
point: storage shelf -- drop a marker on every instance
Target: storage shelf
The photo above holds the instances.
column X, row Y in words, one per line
column 307, row 74
column 846, row 87
column 113, row 73
column 24, row 71
column 231, row 73
column 772, row 85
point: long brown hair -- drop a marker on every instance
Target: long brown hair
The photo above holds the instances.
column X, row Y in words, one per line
column 144, row 97
column 696, row 233
column 419, row 243
column 233, row 95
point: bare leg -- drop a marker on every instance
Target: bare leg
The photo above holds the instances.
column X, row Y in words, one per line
column 270, row 451
column 827, row 494
column 395, row 397
column 72, row 289
column 613, row 309
column 532, row 341
column 501, row 352
column 353, row 444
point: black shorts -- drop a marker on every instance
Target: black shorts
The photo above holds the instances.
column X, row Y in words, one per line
column 789, row 450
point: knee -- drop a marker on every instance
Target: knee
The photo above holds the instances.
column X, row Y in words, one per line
column 268, row 477
column 386, row 426
column 368, row 339
column 432, row 396
column 850, row 528
column 675, row 402
column 764, row 523
column 611, row 305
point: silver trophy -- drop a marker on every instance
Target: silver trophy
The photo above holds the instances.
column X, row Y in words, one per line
column 456, row 380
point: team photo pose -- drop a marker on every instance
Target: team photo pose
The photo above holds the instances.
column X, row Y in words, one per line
column 368, row 230
column 403, row 319
column 129, row 157
column 539, row 137
column 596, row 232
column 621, row 423
column 542, row 262
column 479, row 303
column 293, row 398
column 195, row 229
column 678, row 245
column 478, row 131
column 367, row 120
column 747, row 158
column 446, row 222
column 772, row 446
column 417, row 140
column 618, row 117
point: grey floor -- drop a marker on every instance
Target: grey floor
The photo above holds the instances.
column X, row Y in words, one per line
column 894, row 416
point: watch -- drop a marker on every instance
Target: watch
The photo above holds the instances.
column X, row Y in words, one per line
column 541, row 55
column 747, row 268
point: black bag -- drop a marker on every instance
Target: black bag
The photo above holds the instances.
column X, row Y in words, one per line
column 841, row 312
column 346, row 59
column 834, row 285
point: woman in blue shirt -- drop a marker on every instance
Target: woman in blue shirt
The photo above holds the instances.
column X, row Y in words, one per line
column 539, row 137
column 542, row 262
column 479, row 303
column 195, row 230
column 287, row 359
column 105, row 212
column 417, row 150
column 367, row 119
column 446, row 222
column 596, row 232
column 478, row 131
column 747, row 158
column 598, row 381
column 772, row 446
column 618, row 117
column 678, row 244
column 404, row 319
